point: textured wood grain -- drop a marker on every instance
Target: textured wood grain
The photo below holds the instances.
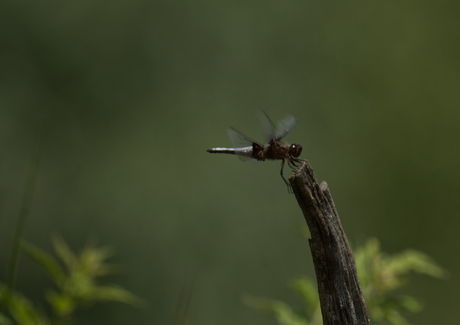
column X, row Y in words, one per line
column 340, row 294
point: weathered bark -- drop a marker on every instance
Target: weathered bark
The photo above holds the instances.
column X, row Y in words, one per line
column 340, row 294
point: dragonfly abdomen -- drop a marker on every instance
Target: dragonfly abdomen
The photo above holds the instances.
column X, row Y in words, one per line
column 222, row 150
column 245, row 151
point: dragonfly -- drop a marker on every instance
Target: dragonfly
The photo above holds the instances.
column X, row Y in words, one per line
column 274, row 149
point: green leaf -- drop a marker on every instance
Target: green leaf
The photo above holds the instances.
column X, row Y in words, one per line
column 5, row 320
column 286, row 316
column 409, row 303
column 115, row 293
column 308, row 291
column 45, row 260
column 79, row 285
column 91, row 261
column 282, row 311
column 62, row 304
column 64, row 252
column 21, row 309
column 412, row 260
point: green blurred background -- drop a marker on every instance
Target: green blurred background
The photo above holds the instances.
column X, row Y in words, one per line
column 132, row 93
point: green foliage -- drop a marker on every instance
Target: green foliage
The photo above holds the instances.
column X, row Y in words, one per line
column 181, row 314
column 4, row 320
column 282, row 311
column 75, row 281
column 379, row 275
column 21, row 309
column 310, row 314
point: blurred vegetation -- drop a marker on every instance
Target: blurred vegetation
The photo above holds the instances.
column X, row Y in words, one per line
column 75, row 277
column 132, row 93
column 182, row 312
column 379, row 274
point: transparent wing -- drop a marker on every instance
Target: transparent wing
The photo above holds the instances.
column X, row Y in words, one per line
column 239, row 140
column 269, row 128
column 284, row 126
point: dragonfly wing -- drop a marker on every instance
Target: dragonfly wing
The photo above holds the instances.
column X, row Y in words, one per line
column 239, row 140
column 284, row 126
column 269, row 128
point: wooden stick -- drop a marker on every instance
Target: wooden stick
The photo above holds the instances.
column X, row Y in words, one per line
column 340, row 294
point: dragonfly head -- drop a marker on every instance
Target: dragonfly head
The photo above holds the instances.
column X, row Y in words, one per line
column 295, row 150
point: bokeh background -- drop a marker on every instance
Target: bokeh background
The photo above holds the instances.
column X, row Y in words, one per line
column 132, row 93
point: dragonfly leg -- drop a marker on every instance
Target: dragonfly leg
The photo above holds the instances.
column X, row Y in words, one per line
column 292, row 162
column 284, row 179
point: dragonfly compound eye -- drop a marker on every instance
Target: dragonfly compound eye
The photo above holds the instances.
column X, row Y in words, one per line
column 295, row 150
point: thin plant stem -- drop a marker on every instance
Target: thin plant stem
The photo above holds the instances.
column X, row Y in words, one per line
column 29, row 190
column 183, row 307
